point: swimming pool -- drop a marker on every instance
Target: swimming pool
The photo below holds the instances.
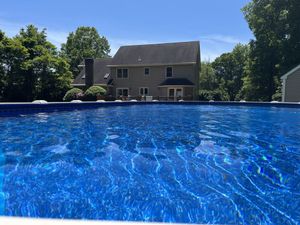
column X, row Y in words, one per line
column 156, row 162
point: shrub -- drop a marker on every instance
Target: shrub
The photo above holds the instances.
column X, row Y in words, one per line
column 109, row 98
column 73, row 94
column 217, row 95
column 92, row 93
column 277, row 97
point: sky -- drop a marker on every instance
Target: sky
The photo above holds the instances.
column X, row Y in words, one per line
column 218, row 24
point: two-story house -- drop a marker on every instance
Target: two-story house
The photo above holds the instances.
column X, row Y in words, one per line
column 164, row 71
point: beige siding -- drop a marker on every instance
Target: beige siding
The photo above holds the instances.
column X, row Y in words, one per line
column 137, row 79
column 292, row 88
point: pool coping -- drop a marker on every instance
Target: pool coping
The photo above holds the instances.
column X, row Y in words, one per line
column 20, row 108
column 24, row 105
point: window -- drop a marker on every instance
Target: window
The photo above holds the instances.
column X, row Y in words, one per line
column 147, row 71
column 144, row 91
column 122, row 73
column 169, row 72
column 122, row 92
column 125, row 73
column 119, row 73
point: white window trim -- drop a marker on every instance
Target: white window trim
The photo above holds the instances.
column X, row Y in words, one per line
column 175, row 89
column 143, row 91
column 167, row 70
column 122, row 73
column 125, row 88
column 145, row 73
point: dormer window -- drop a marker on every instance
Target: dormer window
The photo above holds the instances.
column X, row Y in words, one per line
column 169, row 72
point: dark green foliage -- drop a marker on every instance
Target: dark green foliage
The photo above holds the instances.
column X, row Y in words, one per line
column 85, row 42
column 252, row 72
column 276, row 48
column 212, row 86
column 216, row 95
column 229, row 71
column 32, row 68
column 73, row 94
column 93, row 92
column 207, row 79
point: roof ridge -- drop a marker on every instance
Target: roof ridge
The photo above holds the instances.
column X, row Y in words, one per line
column 163, row 43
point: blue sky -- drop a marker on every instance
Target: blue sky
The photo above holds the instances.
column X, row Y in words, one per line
column 218, row 24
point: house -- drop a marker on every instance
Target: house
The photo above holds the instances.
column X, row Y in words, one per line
column 163, row 71
column 291, row 85
column 97, row 67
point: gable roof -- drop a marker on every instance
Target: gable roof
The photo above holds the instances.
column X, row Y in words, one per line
column 100, row 70
column 290, row 72
column 157, row 54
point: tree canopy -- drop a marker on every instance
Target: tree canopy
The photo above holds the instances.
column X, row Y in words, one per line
column 85, row 42
column 31, row 68
column 253, row 71
column 223, row 78
column 229, row 71
column 276, row 47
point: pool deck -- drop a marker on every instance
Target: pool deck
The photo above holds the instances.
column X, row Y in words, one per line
column 31, row 221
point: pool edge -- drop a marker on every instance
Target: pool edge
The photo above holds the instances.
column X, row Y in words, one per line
column 40, row 221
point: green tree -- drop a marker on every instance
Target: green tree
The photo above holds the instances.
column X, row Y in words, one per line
column 207, row 79
column 85, row 42
column 33, row 67
column 275, row 50
column 2, row 69
column 229, row 70
column 12, row 57
column 209, row 84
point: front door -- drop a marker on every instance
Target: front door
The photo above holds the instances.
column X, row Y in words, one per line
column 175, row 93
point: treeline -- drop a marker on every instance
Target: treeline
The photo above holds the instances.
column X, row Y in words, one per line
column 253, row 71
column 33, row 68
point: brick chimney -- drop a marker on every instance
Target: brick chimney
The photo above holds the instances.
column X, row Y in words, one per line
column 89, row 72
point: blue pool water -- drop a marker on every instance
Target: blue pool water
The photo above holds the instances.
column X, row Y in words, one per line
column 171, row 163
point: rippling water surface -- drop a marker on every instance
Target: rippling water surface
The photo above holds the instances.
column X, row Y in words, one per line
column 171, row 163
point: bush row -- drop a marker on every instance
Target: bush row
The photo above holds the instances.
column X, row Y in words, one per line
column 91, row 94
column 217, row 95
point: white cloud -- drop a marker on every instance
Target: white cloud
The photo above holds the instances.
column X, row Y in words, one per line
column 54, row 36
column 223, row 39
column 57, row 37
column 212, row 46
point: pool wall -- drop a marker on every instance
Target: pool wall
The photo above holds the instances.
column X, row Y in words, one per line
column 17, row 108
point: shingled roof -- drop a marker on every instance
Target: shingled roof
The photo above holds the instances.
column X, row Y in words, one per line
column 157, row 54
column 100, row 70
